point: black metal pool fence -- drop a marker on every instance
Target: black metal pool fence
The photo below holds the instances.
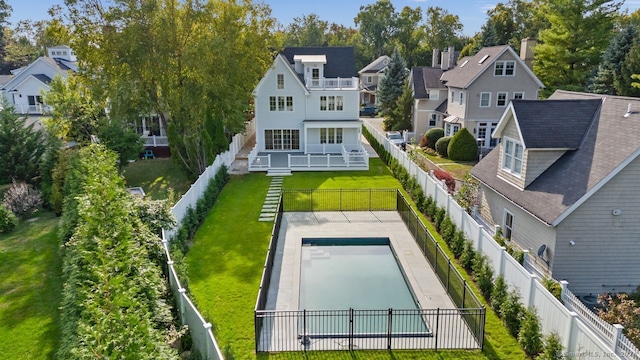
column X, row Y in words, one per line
column 461, row 328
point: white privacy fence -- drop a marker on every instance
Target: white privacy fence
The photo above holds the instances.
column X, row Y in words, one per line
column 578, row 334
column 200, row 330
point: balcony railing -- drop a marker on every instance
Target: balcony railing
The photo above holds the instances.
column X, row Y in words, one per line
column 155, row 141
column 38, row 109
column 333, row 83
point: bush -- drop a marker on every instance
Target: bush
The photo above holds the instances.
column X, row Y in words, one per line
column 432, row 136
column 553, row 286
column 447, row 230
column 511, row 311
column 22, row 199
column 449, row 181
column 529, row 336
column 457, row 244
column 499, row 294
column 468, row 255
column 438, row 217
column 463, row 146
column 8, row 220
column 483, row 275
column 442, row 146
column 552, row 348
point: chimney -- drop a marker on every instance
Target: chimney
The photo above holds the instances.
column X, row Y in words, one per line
column 527, row 46
column 444, row 60
column 435, row 58
column 452, row 57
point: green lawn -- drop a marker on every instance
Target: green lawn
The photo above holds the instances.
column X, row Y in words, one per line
column 30, row 289
column 226, row 260
column 156, row 176
column 458, row 169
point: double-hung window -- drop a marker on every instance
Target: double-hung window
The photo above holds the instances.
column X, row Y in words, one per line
column 461, row 98
column 280, row 81
column 504, row 68
column 331, row 103
column 501, row 100
column 507, row 225
column 512, row 153
column 485, row 99
column 331, row 136
column 518, row 95
column 277, row 103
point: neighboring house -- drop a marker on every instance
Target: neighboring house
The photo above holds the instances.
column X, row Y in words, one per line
column 370, row 77
column 429, row 94
column 563, row 184
column 24, row 89
column 481, row 86
column 306, row 112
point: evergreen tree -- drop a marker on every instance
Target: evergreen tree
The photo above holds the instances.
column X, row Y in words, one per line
column 570, row 49
column 400, row 117
column 610, row 77
column 21, row 148
column 391, row 85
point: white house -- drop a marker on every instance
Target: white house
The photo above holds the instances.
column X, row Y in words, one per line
column 24, row 89
column 306, row 112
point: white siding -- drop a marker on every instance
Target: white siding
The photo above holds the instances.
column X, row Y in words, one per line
column 350, row 110
column 606, row 253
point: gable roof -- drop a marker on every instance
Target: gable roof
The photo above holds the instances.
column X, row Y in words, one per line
column 42, row 78
column 286, row 65
column 376, row 66
column 340, row 59
column 470, row 68
column 58, row 65
column 424, row 78
column 610, row 142
column 550, row 124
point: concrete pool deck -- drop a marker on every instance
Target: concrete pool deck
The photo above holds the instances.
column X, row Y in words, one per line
column 284, row 290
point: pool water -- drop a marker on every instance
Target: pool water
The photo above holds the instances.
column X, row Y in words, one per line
column 359, row 274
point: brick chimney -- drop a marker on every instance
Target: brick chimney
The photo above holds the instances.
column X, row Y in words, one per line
column 527, row 46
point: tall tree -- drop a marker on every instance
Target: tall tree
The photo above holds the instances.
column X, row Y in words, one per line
column 409, row 35
column 442, row 28
column 180, row 60
column 508, row 23
column 400, row 118
column 391, row 85
column 570, row 49
column 307, row 30
column 21, row 147
column 377, row 26
column 612, row 76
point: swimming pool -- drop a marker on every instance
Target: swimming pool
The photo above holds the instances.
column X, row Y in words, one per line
column 362, row 274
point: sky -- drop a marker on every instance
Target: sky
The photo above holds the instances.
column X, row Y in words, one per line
column 471, row 12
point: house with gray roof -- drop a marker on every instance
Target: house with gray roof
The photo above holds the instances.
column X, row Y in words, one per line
column 370, row 76
column 481, row 86
column 429, row 98
column 563, row 184
column 307, row 112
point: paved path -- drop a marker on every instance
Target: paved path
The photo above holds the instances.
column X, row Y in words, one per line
column 270, row 206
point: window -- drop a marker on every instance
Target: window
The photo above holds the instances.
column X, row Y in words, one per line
column 507, row 225
column 512, row 156
column 34, row 100
column 279, row 139
column 434, row 94
column 433, row 120
column 502, row 99
column 331, row 136
column 277, row 103
column 369, row 79
column 485, row 99
column 461, row 97
column 453, row 96
column 518, row 95
column 504, row 68
column 280, row 81
column 331, row 103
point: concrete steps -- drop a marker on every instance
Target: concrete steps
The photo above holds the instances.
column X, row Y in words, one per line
column 270, row 205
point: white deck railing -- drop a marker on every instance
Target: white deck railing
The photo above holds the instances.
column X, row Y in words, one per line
column 333, row 83
column 155, row 141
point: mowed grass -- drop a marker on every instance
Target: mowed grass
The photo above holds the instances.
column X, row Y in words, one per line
column 228, row 253
column 156, row 177
column 30, row 289
column 458, row 169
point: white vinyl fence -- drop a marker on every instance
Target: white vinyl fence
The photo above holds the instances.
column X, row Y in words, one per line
column 579, row 336
column 201, row 333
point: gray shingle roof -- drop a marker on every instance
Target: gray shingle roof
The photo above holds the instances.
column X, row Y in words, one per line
column 42, row 77
column 426, row 77
column 340, row 60
column 554, row 124
column 608, row 142
column 462, row 75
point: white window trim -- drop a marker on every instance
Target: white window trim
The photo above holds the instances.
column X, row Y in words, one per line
column 517, row 92
column 453, row 96
column 278, row 76
column 461, row 101
column 434, row 95
column 504, row 68
column 488, row 102
column 506, row 98
column 504, row 224
column 510, row 169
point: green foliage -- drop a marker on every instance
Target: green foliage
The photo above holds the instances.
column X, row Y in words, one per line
column 376, row 24
column 467, row 195
column 438, row 216
column 432, row 136
column 511, row 311
column 499, row 294
column 122, row 140
column 447, row 229
column 400, row 118
column 308, row 30
column 571, row 47
column 468, row 255
column 8, row 220
column 529, row 336
column 462, row 146
column 21, row 147
column 22, row 199
column 47, row 165
column 552, row 348
column 621, row 309
column 391, row 85
column 108, row 311
column 553, row 286
column 614, row 72
column 442, row 146
column 457, row 244
column 483, row 274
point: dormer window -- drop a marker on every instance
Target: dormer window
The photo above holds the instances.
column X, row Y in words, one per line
column 504, row 68
column 512, row 156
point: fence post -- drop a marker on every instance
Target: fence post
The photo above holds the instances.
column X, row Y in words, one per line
column 437, row 330
column 564, row 286
column 350, row 329
column 389, row 328
column 181, row 295
column 448, row 274
column 207, row 328
column 480, row 231
column 464, row 291
column 617, row 332
column 304, row 329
